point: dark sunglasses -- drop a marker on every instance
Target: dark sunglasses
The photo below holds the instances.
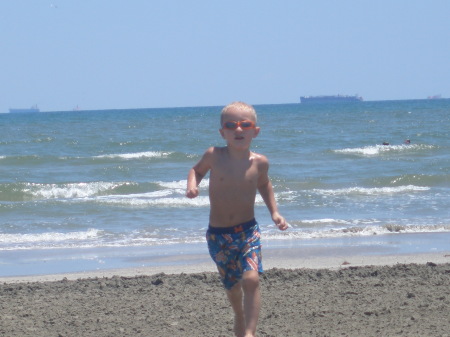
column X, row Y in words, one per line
column 233, row 125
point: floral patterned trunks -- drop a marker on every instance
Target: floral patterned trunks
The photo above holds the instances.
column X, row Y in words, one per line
column 235, row 250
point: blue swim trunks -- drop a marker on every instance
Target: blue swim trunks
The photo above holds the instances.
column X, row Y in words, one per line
column 235, row 250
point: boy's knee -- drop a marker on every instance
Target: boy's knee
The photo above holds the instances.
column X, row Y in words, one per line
column 250, row 280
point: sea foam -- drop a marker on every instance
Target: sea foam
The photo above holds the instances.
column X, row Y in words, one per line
column 137, row 155
column 374, row 150
column 69, row 190
column 371, row 191
column 45, row 240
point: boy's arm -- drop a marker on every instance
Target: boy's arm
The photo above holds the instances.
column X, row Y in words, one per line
column 266, row 191
column 197, row 173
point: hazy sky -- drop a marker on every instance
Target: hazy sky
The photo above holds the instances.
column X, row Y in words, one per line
column 107, row 54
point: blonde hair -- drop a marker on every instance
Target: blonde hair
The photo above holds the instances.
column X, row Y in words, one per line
column 240, row 106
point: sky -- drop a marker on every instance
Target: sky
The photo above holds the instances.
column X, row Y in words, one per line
column 117, row 54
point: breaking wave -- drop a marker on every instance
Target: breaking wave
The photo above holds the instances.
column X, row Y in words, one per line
column 136, row 155
column 375, row 150
column 372, row 191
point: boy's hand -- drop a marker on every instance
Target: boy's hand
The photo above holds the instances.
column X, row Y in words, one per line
column 192, row 193
column 280, row 222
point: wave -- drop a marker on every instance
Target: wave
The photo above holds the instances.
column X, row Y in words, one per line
column 424, row 180
column 95, row 238
column 47, row 240
column 151, row 199
column 130, row 194
column 136, row 155
column 162, row 193
column 83, row 190
column 371, row 191
column 301, row 230
column 34, row 159
column 298, row 230
column 68, row 191
column 39, row 191
column 169, row 194
column 375, row 150
column 159, row 193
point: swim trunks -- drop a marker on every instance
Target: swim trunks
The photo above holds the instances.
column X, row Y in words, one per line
column 235, row 250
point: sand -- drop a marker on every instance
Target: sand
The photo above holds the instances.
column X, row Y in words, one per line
column 343, row 299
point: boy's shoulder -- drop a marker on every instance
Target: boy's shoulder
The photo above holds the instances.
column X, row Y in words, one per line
column 259, row 158
column 212, row 153
column 215, row 150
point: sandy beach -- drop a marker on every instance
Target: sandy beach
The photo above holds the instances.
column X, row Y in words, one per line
column 404, row 295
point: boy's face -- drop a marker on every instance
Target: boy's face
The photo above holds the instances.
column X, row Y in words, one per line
column 239, row 135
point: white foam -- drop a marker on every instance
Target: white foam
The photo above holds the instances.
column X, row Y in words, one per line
column 373, row 190
column 71, row 190
column 45, row 238
column 373, row 150
column 146, row 199
column 296, row 233
column 148, row 154
column 325, row 221
column 96, row 238
column 181, row 184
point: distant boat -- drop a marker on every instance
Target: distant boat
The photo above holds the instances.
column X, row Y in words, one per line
column 434, row 97
column 330, row 99
column 34, row 108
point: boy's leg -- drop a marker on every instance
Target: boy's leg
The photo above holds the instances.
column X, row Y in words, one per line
column 252, row 300
column 245, row 300
column 235, row 297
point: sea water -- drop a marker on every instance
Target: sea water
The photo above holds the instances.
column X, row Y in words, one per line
column 90, row 181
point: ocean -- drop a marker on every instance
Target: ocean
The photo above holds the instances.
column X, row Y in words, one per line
column 86, row 190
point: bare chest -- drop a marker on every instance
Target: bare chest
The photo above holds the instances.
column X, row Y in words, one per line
column 235, row 175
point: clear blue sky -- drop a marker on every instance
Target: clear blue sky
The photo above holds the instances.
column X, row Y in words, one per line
column 106, row 54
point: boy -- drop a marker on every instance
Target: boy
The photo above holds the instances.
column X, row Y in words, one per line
column 236, row 174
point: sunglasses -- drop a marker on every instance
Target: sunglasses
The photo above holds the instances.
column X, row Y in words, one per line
column 233, row 125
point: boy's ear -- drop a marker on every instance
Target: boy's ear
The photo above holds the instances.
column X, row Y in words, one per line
column 256, row 131
column 221, row 133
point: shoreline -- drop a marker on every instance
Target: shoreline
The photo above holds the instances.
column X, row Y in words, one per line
column 273, row 259
column 329, row 253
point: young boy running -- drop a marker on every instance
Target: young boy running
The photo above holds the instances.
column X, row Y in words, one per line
column 233, row 235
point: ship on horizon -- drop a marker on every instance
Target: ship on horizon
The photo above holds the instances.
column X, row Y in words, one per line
column 331, row 99
column 34, row 108
column 438, row 96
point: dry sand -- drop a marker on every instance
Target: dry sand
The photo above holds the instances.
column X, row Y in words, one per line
column 345, row 300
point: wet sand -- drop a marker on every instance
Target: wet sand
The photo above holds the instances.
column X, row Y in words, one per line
column 390, row 297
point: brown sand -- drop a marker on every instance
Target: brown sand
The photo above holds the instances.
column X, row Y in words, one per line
column 400, row 300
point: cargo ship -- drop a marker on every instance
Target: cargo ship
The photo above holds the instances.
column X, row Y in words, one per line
column 330, row 99
column 34, row 108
